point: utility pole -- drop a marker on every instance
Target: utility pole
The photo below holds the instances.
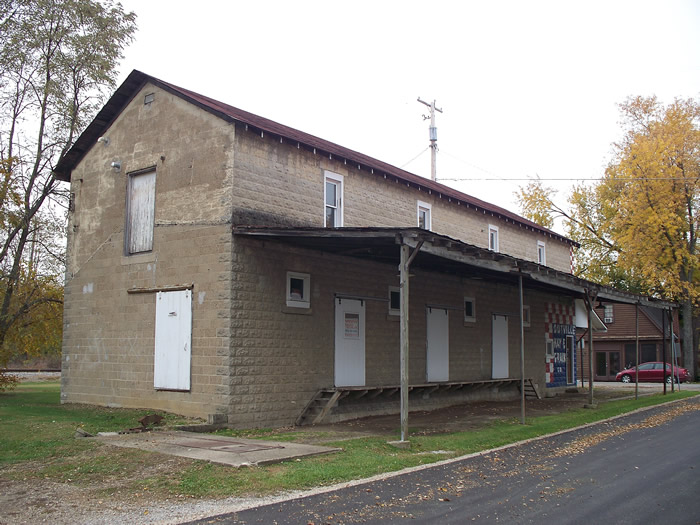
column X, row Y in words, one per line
column 433, row 136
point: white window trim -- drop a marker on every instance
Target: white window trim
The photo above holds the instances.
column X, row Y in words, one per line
column 338, row 179
column 611, row 318
column 294, row 302
column 526, row 315
column 472, row 318
column 493, row 228
column 541, row 245
column 429, row 215
column 394, row 311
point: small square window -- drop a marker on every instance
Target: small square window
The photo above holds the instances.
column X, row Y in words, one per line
column 550, row 348
column 298, row 290
column 526, row 315
column 424, row 215
column 469, row 309
column 493, row 238
column 394, row 300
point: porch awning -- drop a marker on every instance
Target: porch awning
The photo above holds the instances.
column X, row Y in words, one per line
column 444, row 254
column 582, row 317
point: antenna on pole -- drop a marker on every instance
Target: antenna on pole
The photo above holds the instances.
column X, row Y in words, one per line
column 433, row 136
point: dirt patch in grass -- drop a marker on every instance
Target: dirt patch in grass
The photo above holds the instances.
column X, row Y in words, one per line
column 467, row 416
column 102, row 484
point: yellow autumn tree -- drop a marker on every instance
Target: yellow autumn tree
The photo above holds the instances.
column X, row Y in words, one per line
column 638, row 226
column 655, row 180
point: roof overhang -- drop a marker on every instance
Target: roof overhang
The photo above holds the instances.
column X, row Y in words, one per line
column 442, row 254
column 582, row 315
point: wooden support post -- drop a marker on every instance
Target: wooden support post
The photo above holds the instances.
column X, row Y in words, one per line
column 590, row 300
column 636, row 351
column 522, row 354
column 674, row 355
column 404, row 340
column 663, row 347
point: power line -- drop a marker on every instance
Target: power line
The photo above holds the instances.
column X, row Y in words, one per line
column 414, row 158
column 498, row 177
column 495, row 177
column 569, row 179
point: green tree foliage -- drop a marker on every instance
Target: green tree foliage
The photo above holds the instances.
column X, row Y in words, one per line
column 58, row 61
column 638, row 226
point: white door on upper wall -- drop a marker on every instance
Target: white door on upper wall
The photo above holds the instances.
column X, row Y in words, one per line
column 349, row 342
column 499, row 331
column 438, row 345
column 171, row 365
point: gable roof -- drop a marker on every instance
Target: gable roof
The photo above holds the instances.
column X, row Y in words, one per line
column 136, row 80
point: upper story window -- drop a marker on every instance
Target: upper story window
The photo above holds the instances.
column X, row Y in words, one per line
column 608, row 316
column 333, row 198
column 526, row 315
column 541, row 253
column 140, row 211
column 493, row 238
column 424, row 215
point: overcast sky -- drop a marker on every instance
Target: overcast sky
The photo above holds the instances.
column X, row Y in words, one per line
column 526, row 87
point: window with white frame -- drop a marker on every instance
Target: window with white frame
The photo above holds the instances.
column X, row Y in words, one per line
column 394, row 300
column 608, row 316
column 140, row 211
column 541, row 253
column 424, row 215
column 549, row 345
column 298, row 290
column 526, row 315
column 470, row 309
column 333, row 198
column 493, row 238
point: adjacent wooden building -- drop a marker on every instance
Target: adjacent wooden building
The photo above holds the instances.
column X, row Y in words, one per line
column 616, row 348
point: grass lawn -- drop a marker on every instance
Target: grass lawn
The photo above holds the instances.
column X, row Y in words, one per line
column 37, row 442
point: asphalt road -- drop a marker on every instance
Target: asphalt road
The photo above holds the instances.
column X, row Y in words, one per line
column 641, row 468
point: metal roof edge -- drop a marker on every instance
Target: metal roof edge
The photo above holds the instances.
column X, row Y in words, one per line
column 136, row 79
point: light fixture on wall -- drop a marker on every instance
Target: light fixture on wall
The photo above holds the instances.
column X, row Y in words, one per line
column 103, row 140
column 116, row 165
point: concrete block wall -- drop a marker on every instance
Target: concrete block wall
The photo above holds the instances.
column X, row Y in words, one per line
column 109, row 333
column 253, row 359
column 280, row 184
column 281, row 356
column 108, row 348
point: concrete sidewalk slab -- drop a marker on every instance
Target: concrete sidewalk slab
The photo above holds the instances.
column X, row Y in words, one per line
column 236, row 452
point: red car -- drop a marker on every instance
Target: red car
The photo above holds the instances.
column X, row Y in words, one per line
column 653, row 373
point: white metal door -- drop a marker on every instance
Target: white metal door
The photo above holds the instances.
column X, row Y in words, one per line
column 349, row 342
column 499, row 363
column 171, row 366
column 438, row 358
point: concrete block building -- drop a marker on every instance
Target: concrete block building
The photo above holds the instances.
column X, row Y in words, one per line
column 223, row 265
